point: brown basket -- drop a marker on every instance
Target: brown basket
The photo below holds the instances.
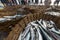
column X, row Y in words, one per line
column 19, row 27
column 9, row 10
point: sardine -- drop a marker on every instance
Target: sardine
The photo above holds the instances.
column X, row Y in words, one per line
column 39, row 22
column 26, row 31
column 38, row 31
column 55, row 35
column 32, row 33
column 58, row 36
column 38, row 34
column 45, row 34
column 51, row 22
column 3, row 19
column 53, row 30
column 27, row 37
column 20, row 36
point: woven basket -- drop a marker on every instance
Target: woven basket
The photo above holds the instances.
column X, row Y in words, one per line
column 19, row 27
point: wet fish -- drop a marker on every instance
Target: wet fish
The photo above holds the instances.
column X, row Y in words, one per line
column 25, row 32
column 45, row 34
column 27, row 37
column 20, row 36
column 32, row 33
column 38, row 34
column 40, row 30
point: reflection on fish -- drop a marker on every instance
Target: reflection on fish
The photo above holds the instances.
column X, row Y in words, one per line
column 40, row 30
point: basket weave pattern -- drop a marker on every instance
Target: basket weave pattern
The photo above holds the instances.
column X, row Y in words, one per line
column 19, row 27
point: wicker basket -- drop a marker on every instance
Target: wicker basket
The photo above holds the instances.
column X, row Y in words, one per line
column 19, row 27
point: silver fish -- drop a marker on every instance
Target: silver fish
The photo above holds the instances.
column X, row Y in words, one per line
column 35, row 30
column 20, row 37
column 38, row 31
column 55, row 31
column 47, row 36
column 27, row 37
column 32, row 33
column 39, row 36
column 26, row 32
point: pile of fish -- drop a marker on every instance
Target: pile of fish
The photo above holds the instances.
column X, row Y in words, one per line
column 40, row 30
column 53, row 13
column 11, row 18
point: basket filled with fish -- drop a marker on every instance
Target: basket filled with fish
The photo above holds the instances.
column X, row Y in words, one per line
column 36, row 26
